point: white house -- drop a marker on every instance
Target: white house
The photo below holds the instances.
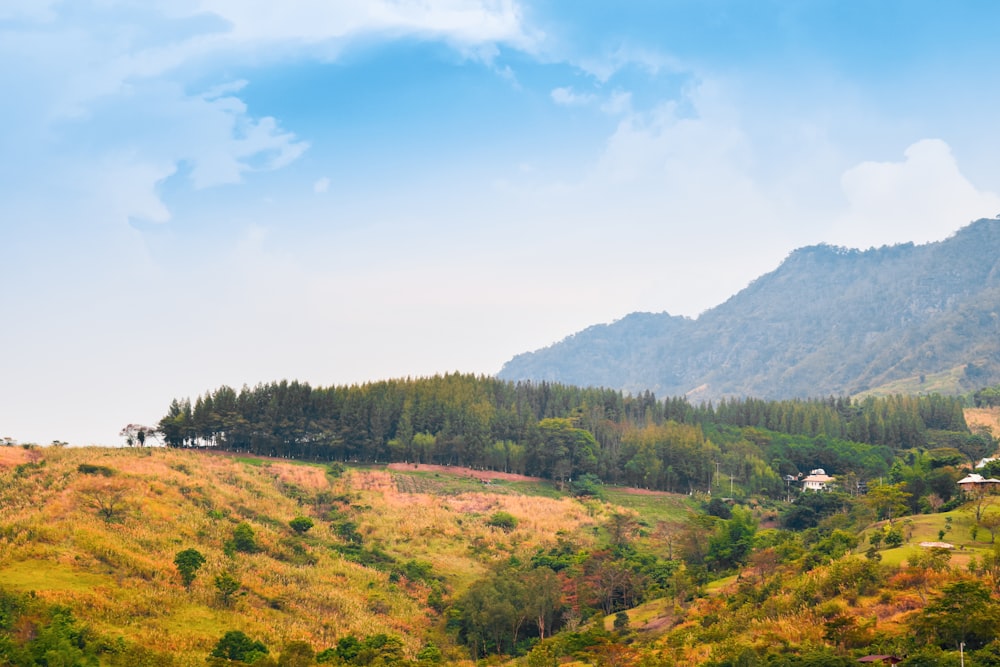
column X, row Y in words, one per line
column 974, row 481
column 816, row 480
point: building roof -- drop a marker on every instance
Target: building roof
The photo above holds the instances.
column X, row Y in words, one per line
column 976, row 478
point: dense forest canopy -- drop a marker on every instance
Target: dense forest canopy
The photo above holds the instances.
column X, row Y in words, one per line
column 561, row 432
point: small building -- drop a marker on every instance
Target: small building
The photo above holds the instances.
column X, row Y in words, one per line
column 817, row 480
column 974, row 482
column 982, row 462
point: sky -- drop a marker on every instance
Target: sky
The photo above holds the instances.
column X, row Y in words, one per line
column 204, row 192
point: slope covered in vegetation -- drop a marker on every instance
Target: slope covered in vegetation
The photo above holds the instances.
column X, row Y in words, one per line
column 365, row 566
column 291, row 553
column 828, row 320
column 561, row 433
column 224, row 547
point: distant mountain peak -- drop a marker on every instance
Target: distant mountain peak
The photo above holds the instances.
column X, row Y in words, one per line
column 828, row 320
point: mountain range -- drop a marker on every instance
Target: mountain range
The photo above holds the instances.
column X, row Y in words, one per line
column 828, row 321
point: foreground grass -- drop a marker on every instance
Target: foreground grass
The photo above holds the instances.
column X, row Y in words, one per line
column 118, row 577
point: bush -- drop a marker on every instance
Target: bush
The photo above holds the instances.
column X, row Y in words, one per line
column 894, row 538
column 236, row 645
column 188, row 562
column 301, row 524
column 227, row 585
column 297, row 654
column 244, row 539
column 502, row 520
column 90, row 469
column 587, row 484
column 430, row 653
column 621, row 622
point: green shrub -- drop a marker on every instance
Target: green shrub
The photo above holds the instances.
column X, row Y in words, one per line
column 236, row 645
column 502, row 520
column 301, row 524
column 90, row 469
column 244, row 539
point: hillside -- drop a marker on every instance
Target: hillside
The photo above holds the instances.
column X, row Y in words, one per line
column 417, row 565
column 827, row 321
column 96, row 531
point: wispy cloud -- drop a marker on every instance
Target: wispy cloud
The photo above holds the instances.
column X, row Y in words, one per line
column 139, row 89
column 466, row 22
column 568, row 97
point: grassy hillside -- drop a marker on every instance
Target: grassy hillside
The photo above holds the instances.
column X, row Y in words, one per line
column 984, row 418
column 97, row 530
column 948, row 382
column 395, row 550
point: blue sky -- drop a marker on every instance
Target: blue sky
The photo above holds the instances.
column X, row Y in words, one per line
column 206, row 192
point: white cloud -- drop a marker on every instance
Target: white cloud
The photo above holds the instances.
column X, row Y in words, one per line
column 618, row 103
column 610, row 62
column 322, row 185
column 923, row 198
column 466, row 22
column 121, row 77
column 568, row 97
column 697, row 141
column 30, row 10
column 126, row 188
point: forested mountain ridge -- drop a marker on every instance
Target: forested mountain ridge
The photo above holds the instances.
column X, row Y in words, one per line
column 828, row 320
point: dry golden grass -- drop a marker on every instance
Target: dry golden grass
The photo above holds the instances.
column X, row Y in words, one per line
column 311, row 478
column 441, row 529
column 984, row 417
column 118, row 575
column 13, row 456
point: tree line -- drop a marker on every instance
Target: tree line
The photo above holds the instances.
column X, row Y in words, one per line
column 561, row 432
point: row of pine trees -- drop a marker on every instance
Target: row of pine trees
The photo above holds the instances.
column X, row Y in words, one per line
column 562, row 432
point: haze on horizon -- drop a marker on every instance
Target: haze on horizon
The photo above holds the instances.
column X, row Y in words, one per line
column 211, row 192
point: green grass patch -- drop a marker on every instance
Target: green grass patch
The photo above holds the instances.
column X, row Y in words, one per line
column 43, row 575
column 252, row 461
column 195, row 620
column 541, row 489
column 651, row 508
column 718, row 585
column 434, row 483
column 444, row 484
column 927, row 528
column 643, row 614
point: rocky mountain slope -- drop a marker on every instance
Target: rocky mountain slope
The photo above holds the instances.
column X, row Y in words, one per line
column 828, row 320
